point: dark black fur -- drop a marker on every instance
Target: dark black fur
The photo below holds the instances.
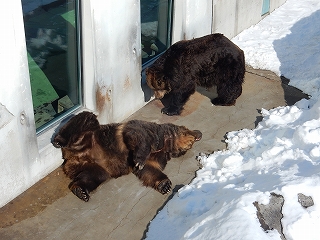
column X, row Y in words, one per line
column 208, row 61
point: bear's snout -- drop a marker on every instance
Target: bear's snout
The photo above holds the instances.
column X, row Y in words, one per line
column 56, row 145
column 198, row 135
column 58, row 142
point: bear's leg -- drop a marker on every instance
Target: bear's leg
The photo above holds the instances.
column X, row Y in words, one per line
column 227, row 95
column 88, row 180
column 178, row 100
column 141, row 153
column 140, row 148
column 152, row 176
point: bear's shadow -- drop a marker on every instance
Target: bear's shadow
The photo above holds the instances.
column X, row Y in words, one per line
column 210, row 93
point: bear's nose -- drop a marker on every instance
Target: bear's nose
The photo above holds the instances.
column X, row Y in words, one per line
column 198, row 134
column 56, row 144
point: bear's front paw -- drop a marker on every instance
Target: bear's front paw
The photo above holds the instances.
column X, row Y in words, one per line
column 164, row 186
column 79, row 192
column 170, row 111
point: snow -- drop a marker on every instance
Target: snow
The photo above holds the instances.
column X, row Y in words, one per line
column 281, row 155
column 287, row 43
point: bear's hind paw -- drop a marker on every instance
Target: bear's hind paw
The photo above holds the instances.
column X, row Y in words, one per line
column 80, row 193
column 170, row 111
column 164, row 186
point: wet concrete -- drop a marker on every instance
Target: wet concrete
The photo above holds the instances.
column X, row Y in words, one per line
column 122, row 208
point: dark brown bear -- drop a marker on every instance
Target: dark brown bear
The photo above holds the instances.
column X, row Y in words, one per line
column 208, row 61
column 94, row 153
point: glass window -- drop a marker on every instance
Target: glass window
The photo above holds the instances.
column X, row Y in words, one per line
column 52, row 40
column 155, row 28
column 265, row 7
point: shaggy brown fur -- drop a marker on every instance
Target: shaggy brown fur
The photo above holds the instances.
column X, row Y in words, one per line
column 94, row 153
column 208, row 61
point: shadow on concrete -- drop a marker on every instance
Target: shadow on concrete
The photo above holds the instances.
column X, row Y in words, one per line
column 291, row 94
column 148, row 93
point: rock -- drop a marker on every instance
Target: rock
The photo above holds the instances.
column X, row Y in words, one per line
column 270, row 215
column 305, row 201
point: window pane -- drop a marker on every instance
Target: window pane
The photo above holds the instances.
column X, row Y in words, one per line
column 265, row 7
column 52, row 45
column 155, row 27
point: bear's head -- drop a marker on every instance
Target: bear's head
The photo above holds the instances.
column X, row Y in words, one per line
column 183, row 140
column 158, row 82
column 73, row 134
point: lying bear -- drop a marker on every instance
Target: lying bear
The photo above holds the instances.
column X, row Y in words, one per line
column 94, row 153
column 208, row 61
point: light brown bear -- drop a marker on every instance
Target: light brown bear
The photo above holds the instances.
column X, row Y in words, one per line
column 94, row 153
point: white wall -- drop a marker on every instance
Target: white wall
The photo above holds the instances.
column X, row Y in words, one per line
column 196, row 18
column 111, row 73
column 116, row 38
column 191, row 19
column 20, row 161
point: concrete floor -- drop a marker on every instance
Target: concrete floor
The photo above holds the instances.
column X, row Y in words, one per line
column 122, row 208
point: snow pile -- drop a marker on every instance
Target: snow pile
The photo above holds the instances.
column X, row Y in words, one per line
column 287, row 42
column 282, row 155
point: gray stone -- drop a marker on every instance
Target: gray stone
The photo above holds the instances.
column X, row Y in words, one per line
column 270, row 215
column 305, row 201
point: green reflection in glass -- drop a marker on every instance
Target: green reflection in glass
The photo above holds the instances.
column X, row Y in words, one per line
column 53, row 56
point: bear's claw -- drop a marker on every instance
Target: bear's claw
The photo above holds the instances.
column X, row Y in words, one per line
column 164, row 186
column 140, row 166
column 80, row 193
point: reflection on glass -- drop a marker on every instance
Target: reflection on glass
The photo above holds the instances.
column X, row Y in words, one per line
column 155, row 27
column 52, row 45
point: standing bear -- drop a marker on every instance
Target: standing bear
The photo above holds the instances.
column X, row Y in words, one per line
column 208, row 61
column 94, row 153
